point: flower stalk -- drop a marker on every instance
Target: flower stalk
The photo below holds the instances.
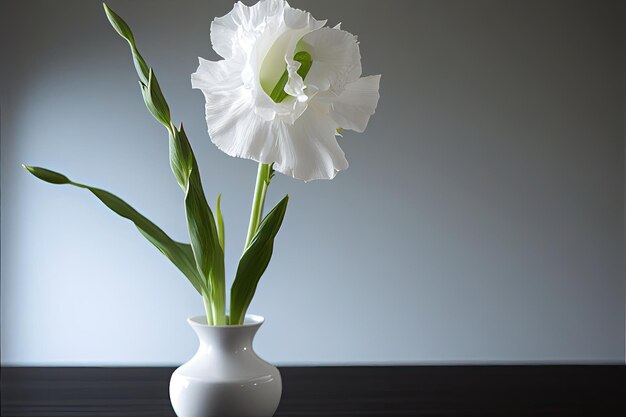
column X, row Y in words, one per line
column 263, row 177
column 207, row 308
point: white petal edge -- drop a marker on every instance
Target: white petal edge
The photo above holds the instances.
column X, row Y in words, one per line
column 354, row 106
column 236, row 130
column 241, row 22
column 309, row 149
column 336, row 59
column 220, row 76
column 232, row 123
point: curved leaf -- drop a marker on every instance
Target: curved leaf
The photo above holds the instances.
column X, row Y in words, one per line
column 254, row 261
column 124, row 31
column 155, row 102
column 180, row 254
column 203, row 233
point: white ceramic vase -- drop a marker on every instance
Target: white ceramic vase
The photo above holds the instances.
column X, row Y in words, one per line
column 225, row 377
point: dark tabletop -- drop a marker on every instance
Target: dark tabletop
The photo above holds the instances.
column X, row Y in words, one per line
column 335, row 391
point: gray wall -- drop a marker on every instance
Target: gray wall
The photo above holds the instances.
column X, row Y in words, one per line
column 481, row 219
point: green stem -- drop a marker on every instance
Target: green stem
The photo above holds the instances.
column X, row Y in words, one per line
column 218, row 298
column 260, row 190
column 207, row 308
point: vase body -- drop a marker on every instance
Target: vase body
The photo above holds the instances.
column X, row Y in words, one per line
column 225, row 377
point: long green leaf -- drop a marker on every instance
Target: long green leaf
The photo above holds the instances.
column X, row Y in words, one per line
column 150, row 89
column 180, row 254
column 254, row 261
column 203, row 233
column 124, row 31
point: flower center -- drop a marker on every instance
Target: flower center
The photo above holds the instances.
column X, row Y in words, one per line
column 277, row 93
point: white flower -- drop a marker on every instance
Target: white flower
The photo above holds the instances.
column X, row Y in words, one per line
column 298, row 134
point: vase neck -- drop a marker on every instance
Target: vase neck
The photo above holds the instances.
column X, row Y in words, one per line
column 226, row 338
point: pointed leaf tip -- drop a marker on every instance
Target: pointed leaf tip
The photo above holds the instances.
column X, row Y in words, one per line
column 118, row 24
column 47, row 175
column 180, row 254
column 153, row 97
column 219, row 220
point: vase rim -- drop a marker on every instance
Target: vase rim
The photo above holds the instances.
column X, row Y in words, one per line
column 251, row 320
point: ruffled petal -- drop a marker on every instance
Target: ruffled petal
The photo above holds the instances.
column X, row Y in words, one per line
column 221, row 76
column 275, row 50
column 300, row 23
column 354, row 106
column 309, row 148
column 336, row 59
column 297, row 136
column 232, row 123
column 237, row 130
column 242, row 25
